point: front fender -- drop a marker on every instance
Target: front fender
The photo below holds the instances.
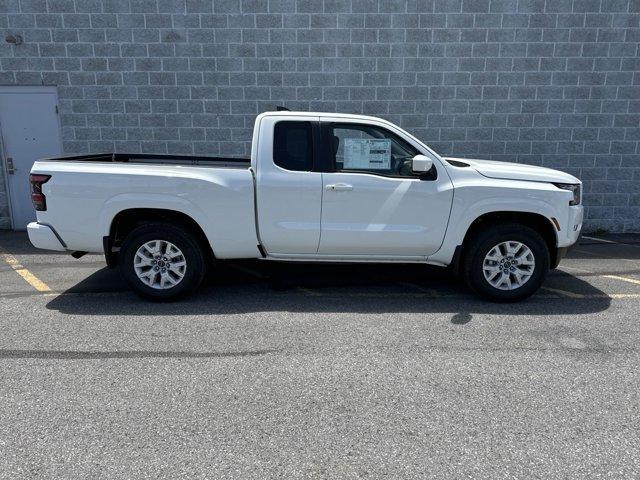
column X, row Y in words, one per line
column 472, row 202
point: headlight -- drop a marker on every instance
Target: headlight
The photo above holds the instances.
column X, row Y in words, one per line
column 574, row 188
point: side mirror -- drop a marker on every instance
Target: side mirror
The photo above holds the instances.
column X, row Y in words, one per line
column 421, row 164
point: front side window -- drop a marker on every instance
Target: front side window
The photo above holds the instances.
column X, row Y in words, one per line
column 293, row 146
column 366, row 148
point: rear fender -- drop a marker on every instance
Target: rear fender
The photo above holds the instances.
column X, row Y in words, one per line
column 163, row 201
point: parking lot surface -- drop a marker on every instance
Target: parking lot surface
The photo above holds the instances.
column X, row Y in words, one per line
column 319, row 371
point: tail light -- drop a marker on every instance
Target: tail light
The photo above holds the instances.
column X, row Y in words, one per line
column 37, row 197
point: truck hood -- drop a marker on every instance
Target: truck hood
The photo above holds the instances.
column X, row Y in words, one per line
column 516, row 171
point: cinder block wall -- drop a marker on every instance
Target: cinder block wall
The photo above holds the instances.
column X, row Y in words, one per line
column 553, row 83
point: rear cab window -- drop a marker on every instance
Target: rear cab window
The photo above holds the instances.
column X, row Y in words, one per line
column 293, row 145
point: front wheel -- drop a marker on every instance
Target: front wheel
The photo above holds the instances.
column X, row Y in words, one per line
column 161, row 262
column 506, row 263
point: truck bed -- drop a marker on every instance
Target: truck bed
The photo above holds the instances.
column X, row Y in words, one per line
column 85, row 193
column 155, row 159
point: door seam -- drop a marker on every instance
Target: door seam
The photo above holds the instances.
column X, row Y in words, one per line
column 321, row 205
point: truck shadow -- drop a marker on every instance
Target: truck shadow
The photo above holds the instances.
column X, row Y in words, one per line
column 254, row 286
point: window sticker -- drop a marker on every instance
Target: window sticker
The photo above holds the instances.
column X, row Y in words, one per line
column 367, row 154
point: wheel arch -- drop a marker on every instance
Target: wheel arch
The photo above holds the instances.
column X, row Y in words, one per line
column 126, row 220
column 543, row 225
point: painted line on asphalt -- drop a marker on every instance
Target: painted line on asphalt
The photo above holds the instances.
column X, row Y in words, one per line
column 624, row 295
column 309, row 291
column 599, row 255
column 429, row 291
column 553, row 294
column 626, row 244
column 578, row 270
column 598, row 239
column 564, row 293
column 623, row 279
column 21, row 270
column 613, row 277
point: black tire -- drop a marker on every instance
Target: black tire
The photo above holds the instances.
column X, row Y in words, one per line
column 183, row 240
column 480, row 245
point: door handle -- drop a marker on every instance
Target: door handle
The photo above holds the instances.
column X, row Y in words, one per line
column 10, row 167
column 339, row 187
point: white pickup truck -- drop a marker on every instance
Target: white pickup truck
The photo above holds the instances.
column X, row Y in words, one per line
column 318, row 187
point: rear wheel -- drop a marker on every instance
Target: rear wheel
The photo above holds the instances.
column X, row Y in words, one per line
column 506, row 263
column 161, row 262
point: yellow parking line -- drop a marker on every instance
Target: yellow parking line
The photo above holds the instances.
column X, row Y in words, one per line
column 28, row 277
column 600, row 255
column 623, row 279
column 555, row 293
column 576, row 269
column 310, row 292
column 564, row 293
column 624, row 295
column 598, row 239
column 429, row 291
column 613, row 277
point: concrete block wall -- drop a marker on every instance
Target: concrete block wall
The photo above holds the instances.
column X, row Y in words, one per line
column 546, row 82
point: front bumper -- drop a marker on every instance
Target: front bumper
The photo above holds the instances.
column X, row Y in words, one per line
column 43, row 236
column 570, row 235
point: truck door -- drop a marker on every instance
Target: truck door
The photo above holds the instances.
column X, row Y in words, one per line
column 288, row 192
column 373, row 204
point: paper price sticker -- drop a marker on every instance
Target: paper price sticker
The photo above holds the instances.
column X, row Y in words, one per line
column 367, row 154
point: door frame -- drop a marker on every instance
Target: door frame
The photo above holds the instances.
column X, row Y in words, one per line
column 38, row 89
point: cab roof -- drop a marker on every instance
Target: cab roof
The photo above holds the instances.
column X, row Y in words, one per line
column 286, row 113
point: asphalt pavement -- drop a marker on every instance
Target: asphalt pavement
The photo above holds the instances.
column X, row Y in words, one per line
column 319, row 371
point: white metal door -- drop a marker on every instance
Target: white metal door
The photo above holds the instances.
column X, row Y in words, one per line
column 374, row 214
column 30, row 130
column 368, row 215
column 288, row 201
